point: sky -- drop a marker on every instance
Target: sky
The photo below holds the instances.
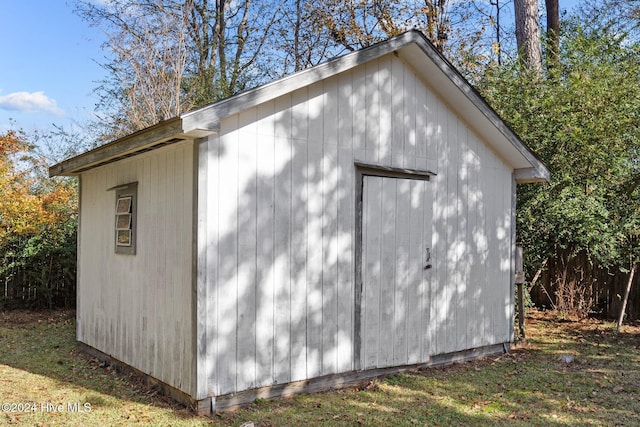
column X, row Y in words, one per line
column 49, row 64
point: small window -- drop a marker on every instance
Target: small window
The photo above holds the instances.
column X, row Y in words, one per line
column 125, row 218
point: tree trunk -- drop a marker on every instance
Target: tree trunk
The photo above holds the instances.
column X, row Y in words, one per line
column 498, row 42
column 553, row 32
column 528, row 33
column 626, row 297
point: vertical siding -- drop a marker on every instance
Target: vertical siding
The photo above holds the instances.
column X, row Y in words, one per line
column 247, row 260
column 385, row 296
column 372, row 273
column 281, row 227
column 330, row 172
column 315, row 250
column 268, row 273
column 292, row 120
column 345, row 223
column 137, row 308
column 416, row 297
column 225, row 327
column 427, row 276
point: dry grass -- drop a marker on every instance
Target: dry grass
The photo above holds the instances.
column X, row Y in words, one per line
column 40, row 365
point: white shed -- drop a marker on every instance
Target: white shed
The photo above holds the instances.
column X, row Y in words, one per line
column 350, row 220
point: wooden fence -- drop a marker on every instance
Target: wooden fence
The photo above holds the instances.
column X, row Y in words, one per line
column 19, row 291
column 580, row 287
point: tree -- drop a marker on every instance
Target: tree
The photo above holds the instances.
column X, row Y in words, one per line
column 356, row 24
column 166, row 57
column 553, row 31
column 457, row 29
column 496, row 23
column 528, row 33
column 622, row 16
column 626, row 296
column 437, row 22
column 353, row 25
column 584, row 125
column 296, row 43
column 37, row 226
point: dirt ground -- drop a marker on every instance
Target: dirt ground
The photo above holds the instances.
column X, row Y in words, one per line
column 22, row 317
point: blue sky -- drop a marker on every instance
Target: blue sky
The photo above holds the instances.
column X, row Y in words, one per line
column 49, row 69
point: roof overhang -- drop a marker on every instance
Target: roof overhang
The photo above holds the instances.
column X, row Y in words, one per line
column 412, row 47
column 164, row 133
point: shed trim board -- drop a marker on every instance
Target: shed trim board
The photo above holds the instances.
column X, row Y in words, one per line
column 198, row 286
column 347, row 221
column 79, row 275
column 513, row 237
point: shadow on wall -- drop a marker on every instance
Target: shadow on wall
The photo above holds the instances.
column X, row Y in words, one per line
column 281, row 221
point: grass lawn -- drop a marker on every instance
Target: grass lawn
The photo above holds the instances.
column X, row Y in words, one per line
column 50, row 382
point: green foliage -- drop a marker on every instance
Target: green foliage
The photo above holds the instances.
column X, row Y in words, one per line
column 38, row 222
column 46, row 262
column 582, row 118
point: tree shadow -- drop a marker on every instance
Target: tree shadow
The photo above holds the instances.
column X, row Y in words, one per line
column 282, row 248
column 43, row 343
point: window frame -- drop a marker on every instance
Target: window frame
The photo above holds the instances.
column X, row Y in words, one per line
column 126, row 205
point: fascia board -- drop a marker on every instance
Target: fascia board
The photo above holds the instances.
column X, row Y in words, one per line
column 165, row 133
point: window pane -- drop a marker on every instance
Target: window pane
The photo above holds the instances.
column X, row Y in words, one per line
column 124, row 238
column 123, row 205
column 123, row 222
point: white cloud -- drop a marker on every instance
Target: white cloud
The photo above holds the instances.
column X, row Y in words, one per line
column 34, row 102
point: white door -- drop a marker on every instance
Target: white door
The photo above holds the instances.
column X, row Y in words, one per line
column 396, row 265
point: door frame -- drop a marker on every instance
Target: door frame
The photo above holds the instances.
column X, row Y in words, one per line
column 362, row 170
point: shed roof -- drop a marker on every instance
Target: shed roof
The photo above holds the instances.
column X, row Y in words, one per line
column 413, row 47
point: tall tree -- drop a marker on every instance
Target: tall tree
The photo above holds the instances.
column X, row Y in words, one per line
column 165, row 57
column 553, row 31
column 297, row 43
column 453, row 27
column 496, row 23
column 353, row 25
column 528, row 33
column 168, row 56
column 490, row 18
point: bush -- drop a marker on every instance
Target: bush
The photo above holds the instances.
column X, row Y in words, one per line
column 582, row 118
column 38, row 223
